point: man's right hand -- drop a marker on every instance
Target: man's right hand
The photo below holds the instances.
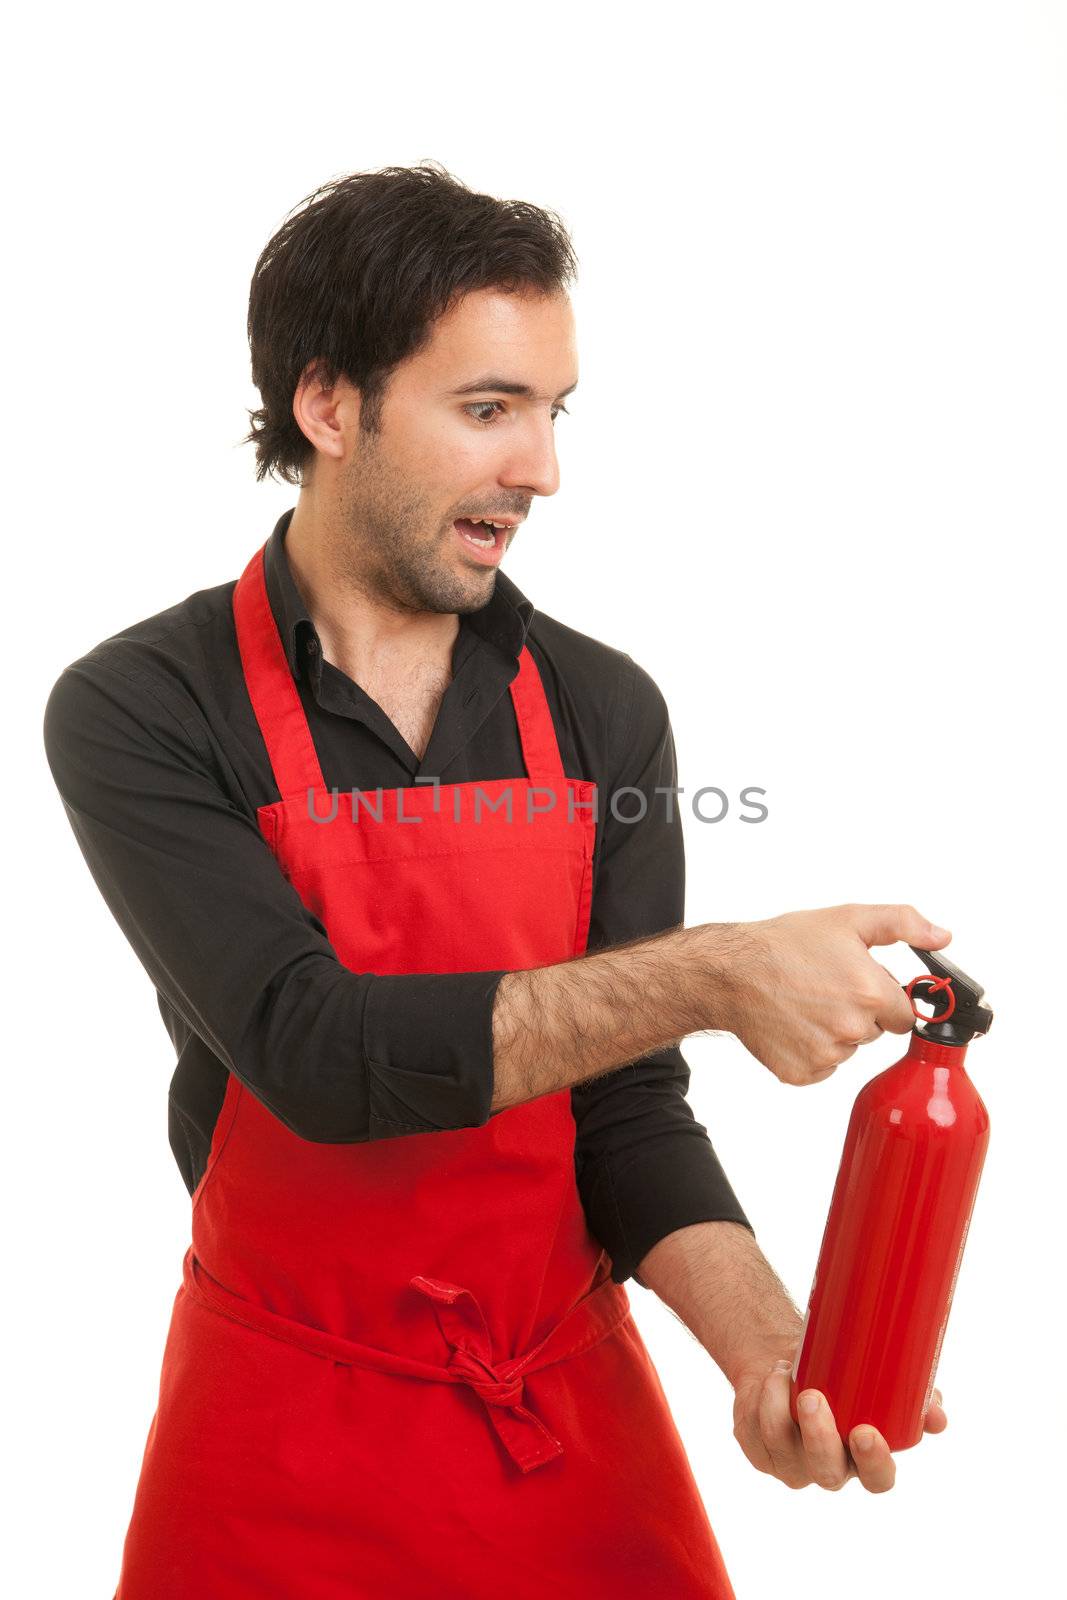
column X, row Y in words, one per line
column 809, row 992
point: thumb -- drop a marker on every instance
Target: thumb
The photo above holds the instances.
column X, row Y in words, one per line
column 886, row 924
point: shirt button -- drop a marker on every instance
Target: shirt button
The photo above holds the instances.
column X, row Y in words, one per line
column 312, row 646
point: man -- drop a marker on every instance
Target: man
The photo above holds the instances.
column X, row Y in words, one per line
column 427, row 980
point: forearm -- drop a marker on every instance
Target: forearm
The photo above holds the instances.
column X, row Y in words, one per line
column 557, row 1026
column 716, row 1279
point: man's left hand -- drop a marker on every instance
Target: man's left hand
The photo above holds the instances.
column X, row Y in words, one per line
column 813, row 1451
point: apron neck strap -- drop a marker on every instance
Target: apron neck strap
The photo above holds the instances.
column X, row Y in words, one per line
column 540, row 747
column 283, row 723
column 271, row 689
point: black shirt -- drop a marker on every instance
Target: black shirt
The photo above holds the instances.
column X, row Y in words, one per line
column 161, row 766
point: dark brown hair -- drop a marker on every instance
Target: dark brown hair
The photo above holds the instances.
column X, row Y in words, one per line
column 358, row 273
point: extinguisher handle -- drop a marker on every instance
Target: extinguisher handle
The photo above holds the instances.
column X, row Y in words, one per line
column 958, row 1000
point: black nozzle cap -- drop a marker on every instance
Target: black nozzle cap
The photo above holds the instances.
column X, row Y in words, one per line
column 969, row 1015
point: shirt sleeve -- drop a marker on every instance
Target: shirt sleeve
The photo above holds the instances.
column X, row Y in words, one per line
column 645, row 1167
column 338, row 1056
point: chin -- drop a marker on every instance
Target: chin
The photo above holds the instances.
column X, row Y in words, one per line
column 456, row 591
column 479, row 590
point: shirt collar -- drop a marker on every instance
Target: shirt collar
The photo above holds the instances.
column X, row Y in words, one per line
column 503, row 621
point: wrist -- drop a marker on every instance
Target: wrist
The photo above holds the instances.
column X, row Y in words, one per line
column 726, row 956
column 754, row 1361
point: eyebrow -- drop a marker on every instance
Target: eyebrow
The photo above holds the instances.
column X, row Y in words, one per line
column 504, row 386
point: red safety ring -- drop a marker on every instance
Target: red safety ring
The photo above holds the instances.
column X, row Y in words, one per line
column 936, row 986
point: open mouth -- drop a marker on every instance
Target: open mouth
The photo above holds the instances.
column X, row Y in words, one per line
column 484, row 539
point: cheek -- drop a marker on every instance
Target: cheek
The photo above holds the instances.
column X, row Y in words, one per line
column 457, row 460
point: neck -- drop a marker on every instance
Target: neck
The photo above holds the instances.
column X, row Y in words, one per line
column 359, row 630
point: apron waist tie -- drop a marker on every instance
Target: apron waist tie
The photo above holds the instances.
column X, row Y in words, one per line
column 461, row 1320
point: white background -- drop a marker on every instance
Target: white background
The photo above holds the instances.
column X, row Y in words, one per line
column 813, row 481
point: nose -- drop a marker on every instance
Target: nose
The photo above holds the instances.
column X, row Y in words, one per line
column 531, row 462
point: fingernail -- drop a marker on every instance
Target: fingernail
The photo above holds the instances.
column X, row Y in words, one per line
column 808, row 1403
column 782, row 1366
column 939, row 933
column 864, row 1438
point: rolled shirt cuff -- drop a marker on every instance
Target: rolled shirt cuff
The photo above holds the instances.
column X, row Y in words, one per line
column 428, row 1051
column 634, row 1199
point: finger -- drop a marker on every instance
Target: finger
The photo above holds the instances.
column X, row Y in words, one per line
column 877, row 925
column 827, row 1459
column 894, row 1012
column 780, row 1435
column 871, row 1030
column 746, row 1427
column 935, row 1420
column 875, row 1467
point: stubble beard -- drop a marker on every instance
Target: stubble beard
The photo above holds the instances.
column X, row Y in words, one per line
column 388, row 552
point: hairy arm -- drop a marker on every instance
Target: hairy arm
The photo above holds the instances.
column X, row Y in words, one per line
column 559, row 1025
column 800, row 991
column 716, row 1279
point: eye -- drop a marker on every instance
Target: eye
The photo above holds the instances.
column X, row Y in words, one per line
column 492, row 405
column 483, row 405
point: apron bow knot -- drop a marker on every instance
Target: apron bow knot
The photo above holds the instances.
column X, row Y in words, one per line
column 462, row 1322
column 485, row 1380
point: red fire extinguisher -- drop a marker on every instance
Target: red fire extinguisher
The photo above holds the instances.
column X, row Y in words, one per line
column 898, row 1222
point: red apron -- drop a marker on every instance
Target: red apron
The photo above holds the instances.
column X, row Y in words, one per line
column 401, row 1368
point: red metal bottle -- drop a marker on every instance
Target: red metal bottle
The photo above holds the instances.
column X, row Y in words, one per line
column 898, row 1222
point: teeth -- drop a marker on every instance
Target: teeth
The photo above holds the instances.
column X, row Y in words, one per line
column 483, row 543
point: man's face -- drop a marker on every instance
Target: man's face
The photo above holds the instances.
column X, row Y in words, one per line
column 453, row 443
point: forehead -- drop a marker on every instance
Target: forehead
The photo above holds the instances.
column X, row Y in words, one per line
column 526, row 337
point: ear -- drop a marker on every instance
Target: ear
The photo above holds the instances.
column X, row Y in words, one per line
column 327, row 415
